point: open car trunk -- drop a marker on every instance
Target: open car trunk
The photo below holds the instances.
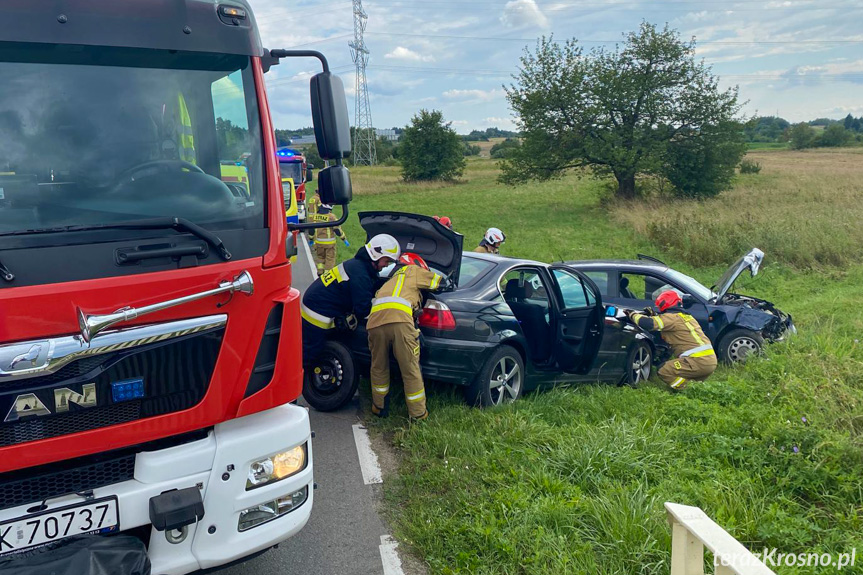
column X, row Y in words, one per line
column 438, row 245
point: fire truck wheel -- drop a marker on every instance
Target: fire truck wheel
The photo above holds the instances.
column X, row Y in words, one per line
column 332, row 381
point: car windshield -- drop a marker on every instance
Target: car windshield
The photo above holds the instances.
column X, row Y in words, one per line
column 690, row 285
column 293, row 170
column 94, row 135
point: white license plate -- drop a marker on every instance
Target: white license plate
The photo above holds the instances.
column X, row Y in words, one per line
column 100, row 516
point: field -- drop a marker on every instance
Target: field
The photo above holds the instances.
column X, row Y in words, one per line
column 573, row 480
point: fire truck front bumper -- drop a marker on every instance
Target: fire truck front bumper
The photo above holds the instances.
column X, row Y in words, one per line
column 244, row 488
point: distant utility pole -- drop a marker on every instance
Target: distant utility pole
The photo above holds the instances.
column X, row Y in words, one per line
column 364, row 132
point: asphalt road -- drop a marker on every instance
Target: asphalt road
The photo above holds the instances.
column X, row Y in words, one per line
column 344, row 533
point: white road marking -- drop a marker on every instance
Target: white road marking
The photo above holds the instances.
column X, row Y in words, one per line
column 390, row 556
column 368, row 459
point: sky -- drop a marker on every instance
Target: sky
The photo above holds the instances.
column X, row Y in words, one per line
column 800, row 59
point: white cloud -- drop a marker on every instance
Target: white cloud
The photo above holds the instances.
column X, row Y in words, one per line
column 408, row 55
column 459, row 122
column 472, row 95
column 520, row 13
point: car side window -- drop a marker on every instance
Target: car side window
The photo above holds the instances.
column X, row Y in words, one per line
column 524, row 285
column 641, row 286
column 601, row 280
column 574, row 292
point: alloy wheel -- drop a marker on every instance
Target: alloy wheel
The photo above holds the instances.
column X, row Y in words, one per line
column 640, row 368
column 506, row 379
column 741, row 347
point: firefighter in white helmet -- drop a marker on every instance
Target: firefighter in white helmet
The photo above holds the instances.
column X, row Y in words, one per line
column 343, row 290
column 492, row 241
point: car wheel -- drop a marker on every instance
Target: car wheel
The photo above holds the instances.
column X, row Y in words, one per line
column 332, row 381
column 501, row 379
column 738, row 344
column 639, row 363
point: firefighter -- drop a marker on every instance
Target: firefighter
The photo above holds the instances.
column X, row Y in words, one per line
column 392, row 326
column 325, row 239
column 343, row 290
column 694, row 358
column 492, row 241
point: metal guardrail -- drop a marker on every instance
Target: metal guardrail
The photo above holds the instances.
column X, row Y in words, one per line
column 692, row 530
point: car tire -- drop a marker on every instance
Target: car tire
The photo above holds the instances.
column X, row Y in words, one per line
column 501, row 379
column 639, row 364
column 736, row 345
column 332, row 382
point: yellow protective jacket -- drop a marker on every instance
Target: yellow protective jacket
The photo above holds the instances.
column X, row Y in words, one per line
column 485, row 248
column 326, row 236
column 312, row 205
column 679, row 330
column 401, row 296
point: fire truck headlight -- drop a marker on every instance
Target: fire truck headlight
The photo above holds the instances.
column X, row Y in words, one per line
column 276, row 467
column 254, row 516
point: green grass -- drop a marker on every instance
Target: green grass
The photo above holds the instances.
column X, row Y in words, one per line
column 573, row 480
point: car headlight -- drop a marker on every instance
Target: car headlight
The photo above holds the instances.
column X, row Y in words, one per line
column 276, row 467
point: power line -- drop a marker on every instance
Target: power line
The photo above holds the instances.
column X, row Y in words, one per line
column 616, row 7
column 511, row 39
column 364, row 135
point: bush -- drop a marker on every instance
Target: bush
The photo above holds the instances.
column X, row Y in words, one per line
column 430, row 149
column 801, row 136
column 834, row 136
column 504, row 149
column 471, row 150
column 749, row 167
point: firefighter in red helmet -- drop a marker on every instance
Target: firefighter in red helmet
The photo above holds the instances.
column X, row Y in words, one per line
column 694, row 358
column 391, row 326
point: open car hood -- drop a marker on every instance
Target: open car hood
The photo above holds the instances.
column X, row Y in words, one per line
column 438, row 245
column 751, row 261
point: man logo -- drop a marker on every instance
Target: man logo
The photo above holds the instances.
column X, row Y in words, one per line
column 28, row 405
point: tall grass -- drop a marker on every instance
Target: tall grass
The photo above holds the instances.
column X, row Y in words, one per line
column 573, row 480
column 804, row 209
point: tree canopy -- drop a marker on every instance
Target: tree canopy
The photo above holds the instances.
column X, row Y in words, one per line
column 430, row 149
column 621, row 112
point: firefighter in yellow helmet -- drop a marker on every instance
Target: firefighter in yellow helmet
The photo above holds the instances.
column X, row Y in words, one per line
column 391, row 326
column 491, row 242
column 694, row 358
column 325, row 239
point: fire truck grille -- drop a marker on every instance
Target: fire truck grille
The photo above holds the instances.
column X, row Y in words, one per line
column 36, row 488
column 166, row 377
column 34, row 429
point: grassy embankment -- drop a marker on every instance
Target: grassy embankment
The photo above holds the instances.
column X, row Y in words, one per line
column 573, row 480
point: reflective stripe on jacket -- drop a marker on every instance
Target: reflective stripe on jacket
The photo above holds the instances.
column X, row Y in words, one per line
column 326, row 236
column 401, row 296
column 347, row 288
column 679, row 330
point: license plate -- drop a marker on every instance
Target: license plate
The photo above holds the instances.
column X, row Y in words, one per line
column 92, row 517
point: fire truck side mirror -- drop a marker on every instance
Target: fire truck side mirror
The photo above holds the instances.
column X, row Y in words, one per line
column 334, row 185
column 310, row 175
column 330, row 117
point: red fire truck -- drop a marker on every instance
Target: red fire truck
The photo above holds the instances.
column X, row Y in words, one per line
column 293, row 166
column 148, row 328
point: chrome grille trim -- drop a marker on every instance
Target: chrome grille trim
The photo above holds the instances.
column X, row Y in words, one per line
column 55, row 353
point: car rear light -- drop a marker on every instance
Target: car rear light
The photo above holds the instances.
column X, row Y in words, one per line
column 436, row 315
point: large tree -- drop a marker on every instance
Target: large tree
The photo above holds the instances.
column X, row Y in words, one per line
column 615, row 111
column 429, row 149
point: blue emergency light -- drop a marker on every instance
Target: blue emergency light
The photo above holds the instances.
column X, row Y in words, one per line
column 127, row 390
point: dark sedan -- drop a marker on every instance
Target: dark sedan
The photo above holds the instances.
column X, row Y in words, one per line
column 736, row 324
column 506, row 325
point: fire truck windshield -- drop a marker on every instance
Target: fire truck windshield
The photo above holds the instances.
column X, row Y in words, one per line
column 92, row 135
column 292, row 170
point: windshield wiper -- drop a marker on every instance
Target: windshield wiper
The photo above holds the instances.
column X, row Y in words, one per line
column 178, row 224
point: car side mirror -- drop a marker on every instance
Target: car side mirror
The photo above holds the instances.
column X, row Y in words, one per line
column 334, row 185
column 688, row 300
column 330, row 116
column 310, row 176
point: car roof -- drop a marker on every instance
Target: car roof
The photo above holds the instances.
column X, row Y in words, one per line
column 616, row 264
column 501, row 260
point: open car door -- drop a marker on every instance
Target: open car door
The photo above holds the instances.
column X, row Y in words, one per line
column 580, row 320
